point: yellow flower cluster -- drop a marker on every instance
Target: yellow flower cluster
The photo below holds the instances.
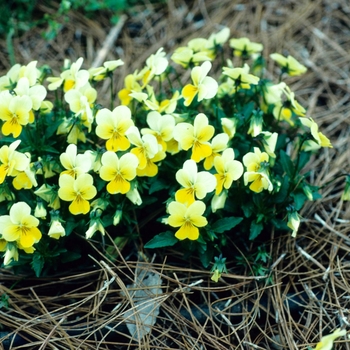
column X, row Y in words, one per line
column 210, row 133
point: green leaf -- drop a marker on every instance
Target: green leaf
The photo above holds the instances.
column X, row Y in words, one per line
column 206, row 256
column 255, row 230
column 37, row 264
column 287, row 163
column 304, row 158
column 164, row 239
column 226, row 224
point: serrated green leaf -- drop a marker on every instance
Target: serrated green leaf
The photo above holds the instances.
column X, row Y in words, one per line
column 37, row 264
column 226, row 224
column 255, row 230
column 164, row 239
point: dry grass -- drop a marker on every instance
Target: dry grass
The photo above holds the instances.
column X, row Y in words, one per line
column 239, row 312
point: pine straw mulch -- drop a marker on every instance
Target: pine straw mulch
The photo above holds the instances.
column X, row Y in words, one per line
column 309, row 295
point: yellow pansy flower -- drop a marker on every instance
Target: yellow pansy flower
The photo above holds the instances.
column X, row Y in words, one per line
column 56, row 230
column 289, row 64
column 75, row 164
column 112, row 126
column 228, row 170
column 15, row 111
column 195, row 184
column 244, row 47
column 293, row 222
column 72, row 78
column 241, row 76
column 195, row 136
column 12, row 162
column 156, row 64
column 78, row 191
column 100, row 73
column 118, row 171
column 257, row 171
column 203, row 86
column 20, row 226
column 161, row 126
column 188, row 218
column 320, row 139
column 131, row 85
column 218, row 144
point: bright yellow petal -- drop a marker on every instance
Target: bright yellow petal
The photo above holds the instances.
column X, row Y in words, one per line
column 118, row 185
column 187, row 230
column 79, row 206
column 29, row 236
column 12, row 127
column 189, row 92
column 200, row 151
column 185, row 195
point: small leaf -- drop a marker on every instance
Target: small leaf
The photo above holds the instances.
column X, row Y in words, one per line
column 226, row 224
column 255, row 230
column 286, row 163
column 164, row 239
column 304, row 158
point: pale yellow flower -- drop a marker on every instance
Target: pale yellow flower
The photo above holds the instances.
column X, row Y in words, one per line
column 100, row 73
column 320, row 139
column 36, row 93
column 161, row 126
column 327, row 341
column 289, row 64
column 244, row 47
column 195, row 136
column 229, row 126
column 203, row 87
column 56, row 230
column 217, row 144
column 293, row 222
column 75, row 164
column 20, row 226
column 257, row 171
column 195, row 184
column 131, row 85
column 188, row 218
column 12, row 162
column 72, row 78
column 112, row 126
column 78, row 191
column 228, row 170
column 156, row 65
column 15, row 112
column 118, row 171
column 241, row 76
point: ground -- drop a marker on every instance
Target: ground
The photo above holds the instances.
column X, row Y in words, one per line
column 309, row 296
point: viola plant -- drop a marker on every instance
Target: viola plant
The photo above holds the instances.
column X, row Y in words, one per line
column 197, row 165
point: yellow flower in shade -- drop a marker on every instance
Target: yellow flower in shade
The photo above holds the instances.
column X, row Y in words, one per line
column 12, row 162
column 25, row 179
column 218, row 144
column 15, row 111
column 327, row 341
column 257, row 171
column 78, row 191
column 188, row 218
column 269, row 142
column 131, row 85
column 167, row 106
column 81, row 102
column 134, row 196
column 56, row 229
column 195, row 136
column 31, row 72
column 293, row 222
column 156, row 64
column 218, row 39
column 289, row 64
column 75, row 164
column 20, row 226
column 284, row 110
column 146, row 146
column 37, row 93
column 118, row 171
column 244, row 47
column 100, row 73
column 218, row 201
column 203, row 86
column 195, row 184
column 112, row 126
column 229, row 126
column 273, row 92
column 72, row 78
column 241, row 76
column 186, row 56
column 228, row 170
column 320, row 139
column 11, row 253
column 161, row 126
